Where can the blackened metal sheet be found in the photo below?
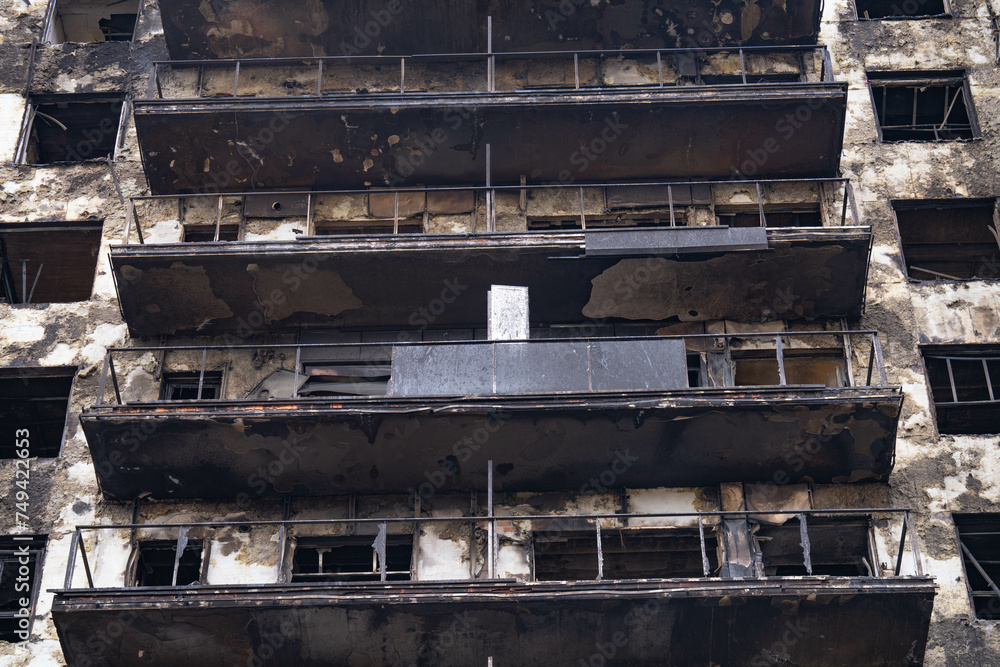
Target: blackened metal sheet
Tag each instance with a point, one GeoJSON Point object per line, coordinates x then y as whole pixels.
{"type": "Point", "coordinates": [807, 621]}
{"type": "Point", "coordinates": [269, 28]}
{"type": "Point", "coordinates": [675, 240]}
{"type": "Point", "coordinates": [358, 140]}
{"type": "Point", "coordinates": [389, 445]}
{"type": "Point", "coordinates": [209, 288]}
{"type": "Point", "coordinates": [538, 367]}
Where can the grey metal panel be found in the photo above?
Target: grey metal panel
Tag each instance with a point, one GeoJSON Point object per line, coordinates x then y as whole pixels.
{"type": "Point", "coordinates": [625, 365]}
{"type": "Point", "coordinates": [675, 240]}
{"type": "Point", "coordinates": [532, 368]}
{"type": "Point", "coordinates": [442, 370]}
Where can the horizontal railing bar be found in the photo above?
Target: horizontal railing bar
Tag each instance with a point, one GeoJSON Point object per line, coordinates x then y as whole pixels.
{"type": "Point", "coordinates": [860, 512]}
{"type": "Point", "coordinates": [476, 55]}
{"type": "Point", "coordinates": [479, 188]}
{"type": "Point", "coordinates": [771, 334]}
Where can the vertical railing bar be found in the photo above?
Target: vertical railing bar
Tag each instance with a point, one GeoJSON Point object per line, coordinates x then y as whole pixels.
{"type": "Point", "coordinates": [951, 378]}
{"type": "Point", "coordinates": [902, 544]}
{"type": "Point", "coordinates": [236, 80]}
{"type": "Point", "coordinates": [848, 354]}
{"type": "Point", "coordinates": [659, 68]}
{"type": "Point", "coordinates": [218, 220]}
{"type": "Point", "coordinates": [600, 552]}
{"type": "Point", "coordinates": [129, 217]}
{"type": "Point", "coordinates": [855, 216]}
{"type": "Point", "coordinates": [704, 552]}
{"type": "Point", "coordinates": [34, 283]}
{"type": "Point", "coordinates": [395, 215]}
{"type": "Point", "coordinates": [989, 382]}
{"type": "Point", "coordinates": [151, 85]}
{"type": "Point", "coordinates": [780, 354]}
{"type": "Point", "coordinates": [576, 69]}
{"type": "Point", "coordinates": [201, 374]}
{"type": "Point", "coordinates": [319, 77]}
{"type": "Point", "coordinates": [806, 547]}
{"type": "Point", "coordinates": [71, 565]}
{"type": "Point", "coordinates": [491, 61]}
{"type": "Point", "coordinates": [24, 279]}
{"type": "Point", "coordinates": [871, 366]}
{"type": "Point", "coordinates": [382, 566]}
{"type": "Point", "coordinates": [102, 383]}
{"type": "Point", "coordinates": [309, 214]}
{"type": "Point", "coordinates": [138, 227]}
{"type": "Point", "coordinates": [114, 380]}
{"type": "Point", "coordinates": [877, 345]}
{"type": "Point", "coordinates": [491, 525]}
{"type": "Point", "coordinates": [295, 381]}
{"type": "Point", "coordinates": [760, 205]}
{"type": "Point", "coordinates": [843, 213]}
{"type": "Point", "coordinates": [402, 75]}
{"type": "Point", "coordinates": [670, 199]}
{"type": "Point", "coordinates": [743, 67]}
{"type": "Point", "coordinates": [86, 562]}
{"type": "Point", "coordinates": [583, 215]}
{"type": "Point", "coordinates": [179, 548]}
{"type": "Point", "coordinates": [201, 76]}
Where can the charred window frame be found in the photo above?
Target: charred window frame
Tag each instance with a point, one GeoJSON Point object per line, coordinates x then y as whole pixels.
{"type": "Point", "coordinates": [48, 262]}
{"type": "Point", "coordinates": [949, 239]}
{"type": "Point", "coordinates": [179, 562]}
{"type": "Point", "coordinates": [964, 382]}
{"type": "Point", "coordinates": [12, 581]}
{"type": "Point", "coordinates": [875, 10]}
{"type": "Point", "coordinates": [923, 106]}
{"type": "Point", "coordinates": [978, 537]}
{"type": "Point", "coordinates": [72, 128]}
{"type": "Point", "coordinates": [352, 558]}
{"type": "Point", "coordinates": [35, 399]}
{"type": "Point", "coordinates": [91, 21]}
{"type": "Point", "coordinates": [192, 386]}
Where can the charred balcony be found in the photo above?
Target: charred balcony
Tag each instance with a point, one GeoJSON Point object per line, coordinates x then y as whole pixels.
{"type": "Point", "coordinates": [351, 122]}
{"type": "Point", "coordinates": [746, 251]}
{"type": "Point", "coordinates": [266, 28]}
{"type": "Point", "coordinates": [331, 419]}
{"type": "Point", "coordinates": [847, 584]}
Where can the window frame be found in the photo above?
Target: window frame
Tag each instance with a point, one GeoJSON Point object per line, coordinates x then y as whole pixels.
{"type": "Point", "coordinates": [30, 114]}
{"type": "Point", "coordinates": [922, 78]}
{"type": "Point", "coordinates": [52, 10]}
{"type": "Point", "coordinates": [41, 227]}
{"type": "Point", "coordinates": [203, 546]}
{"type": "Point", "coordinates": [329, 541]}
{"type": "Point", "coordinates": [957, 202]}
{"type": "Point", "coordinates": [44, 372]}
{"type": "Point", "coordinates": [947, 14]}
{"type": "Point", "coordinates": [36, 582]}
{"type": "Point", "coordinates": [969, 591]}
{"type": "Point", "coordinates": [944, 351]}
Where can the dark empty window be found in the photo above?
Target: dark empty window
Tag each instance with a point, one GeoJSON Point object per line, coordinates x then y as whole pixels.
{"type": "Point", "coordinates": [46, 263]}
{"type": "Point", "coordinates": [34, 400]}
{"type": "Point", "coordinates": [802, 367]}
{"type": "Point", "coordinates": [839, 547]}
{"type": "Point", "coordinates": [979, 542]}
{"type": "Point", "coordinates": [775, 217]}
{"type": "Point", "coordinates": [899, 9]}
{"type": "Point", "coordinates": [950, 240]}
{"type": "Point", "coordinates": [19, 583]}
{"type": "Point", "coordinates": [71, 128]}
{"type": "Point", "coordinates": [206, 234]}
{"type": "Point", "coordinates": [327, 559]}
{"type": "Point", "coordinates": [191, 386]}
{"type": "Point", "coordinates": [922, 106]}
{"type": "Point", "coordinates": [626, 554]}
{"type": "Point", "coordinates": [158, 563]}
{"type": "Point", "coordinates": [965, 385]}
{"type": "Point", "coordinates": [92, 21]}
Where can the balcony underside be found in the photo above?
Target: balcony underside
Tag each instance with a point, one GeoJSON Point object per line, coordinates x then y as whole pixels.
{"type": "Point", "coordinates": [362, 140]}
{"type": "Point", "coordinates": [393, 445]}
{"type": "Point", "coordinates": [282, 286]}
{"type": "Point", "coordinates": [263, 28]}
{"type": "Point", "coordinates": [807, 621]}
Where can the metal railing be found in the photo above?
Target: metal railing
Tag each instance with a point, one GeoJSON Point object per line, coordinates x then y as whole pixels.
{"type": "Point", "coordinates": [664, 205]}
{"type": "Point", "coordinates": [848, 345]}
{"type": "Point", "coordinates": [493, 524]}
{"type": "Point", "coordinates": [674, 67]}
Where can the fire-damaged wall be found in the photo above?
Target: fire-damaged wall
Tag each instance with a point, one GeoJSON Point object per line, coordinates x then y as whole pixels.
{"type": "Point", "coordinates": [935, 474]}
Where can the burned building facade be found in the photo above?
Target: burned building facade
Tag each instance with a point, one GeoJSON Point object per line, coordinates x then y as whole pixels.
{"type": "Point", "coordinates": [510, 333]}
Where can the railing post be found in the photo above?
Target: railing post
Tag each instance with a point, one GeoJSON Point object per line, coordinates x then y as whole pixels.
{"type": "Point", "coordinates": [402, 75]}
{"type": "Point", "coordinates": [102, 384]}
{"type": "Point", "coordinates": [491, 525]}
{"type": "Point", "coordinates": [877, 348]}
{"type": "Point", "coordinates": [902, 544]}
{"type": "Point", "coordinates": [319, 77]}
{"type": "Point", "coordinates": [86, 563]}
{"type": "Point", "coordinates": [114, 381]}
{"type": "Point", "coordinates": [201, 374]}
{"type": "Point", "coordinates": [129, 217]}
{"type": "Point", "coordinates": [576, 69]}
{"type": "Point", "coordinates": [918, 567]}
{"type": "Point", "coordinates": [704, 553]}
{"type": "Point", "coordinates": [295, 381]}
{"type": "Point", "coordinates": [659, 68]}
{"type": "Point", "coordinates": [743, 67]}
{"type": "Point", "coordinates": [780, 353]}
{"type": "Point", "coordinates": [806, 546]}
{"type": "Point", "coordinates": [670, 201]}
{"type": "Point", "coordinates": [218, 220]}
{"type": "Point", "coordinates": [600, 552]}
{"type": "Point", "coordinates": [74, 544]}
{"type": "Point", "coordinates": [236, 80]}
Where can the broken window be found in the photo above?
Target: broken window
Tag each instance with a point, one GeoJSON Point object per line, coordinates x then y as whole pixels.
{"type": "Point", "coordinates": [979, 542]}
{"type": "Point", "coordinates": [206, 233]}
{"type": "Point", "coordinates": [965, 386]}
{"type": "Point", "coordinates": [805, 216]}
{"type": "Point", "coordinates": [71, 128]}
{"type": "Point", "coordinates": [922, 106]}
{"type": "Point", "coordinates": [626, 554]}
{"type": "Point", "coordinates": [900, 9]}
{"type": "Point", "coordinates": [354, 558]}
{"type": "Point", "coordinates": [35, 400]}
{"type": "Point", "coordinates": [838, 547]}
{"type": "Point", "coordinates": [950, 240]}
{"type": "Point", "coordinates": [802, 367]}
{"type": "Point", "coordinates": [191, 386]}
{"type": "Point", "coordinates": [48, 263]}
{"type": "Point", "coordinates": [92, 21]}
{"type": "Point", "coordinates": [158, 563]}
{"type": "Point", "coordinates": [19, 581]}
